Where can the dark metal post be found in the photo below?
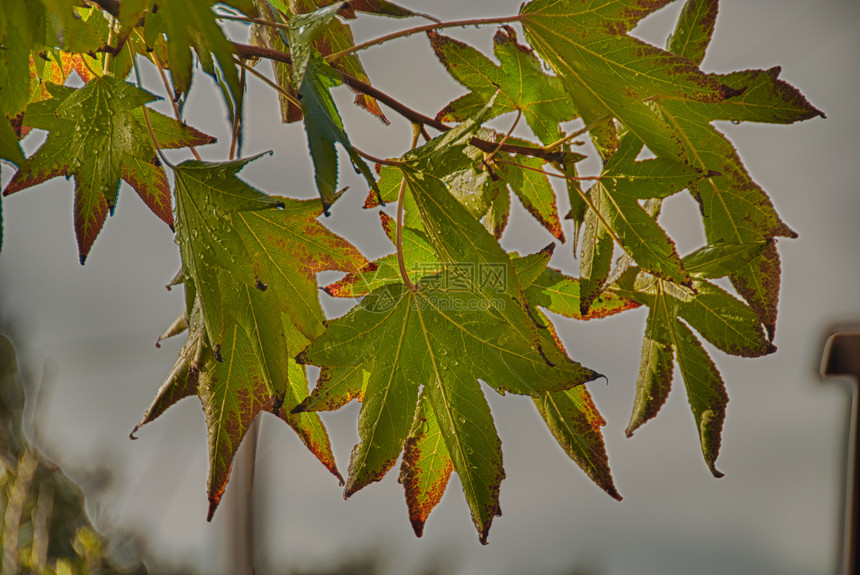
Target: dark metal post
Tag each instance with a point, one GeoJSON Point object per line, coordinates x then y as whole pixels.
{"type": "Point", "coordinates": [842, 358]}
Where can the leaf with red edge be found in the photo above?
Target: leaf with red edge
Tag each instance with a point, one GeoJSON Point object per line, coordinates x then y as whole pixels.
{"type": "Point", "coordinates": [233, 392]}
{"type": "Point", "coordinates": [522, 84]}
{"type": "Point", "coordinates": [560, 294]}
{"type": "Point", "coordinates": [96, 134]}
{"type": "Point", "coordinates": [575, 423]}
{"type": "Point", "coordinates": [610, 73]}
{"type": "Point", "coordinates": [426, 466]}
{"type": "Point", "coordinates": [251, 259]}
{"type": "Point", "coordinates": [534, 191]}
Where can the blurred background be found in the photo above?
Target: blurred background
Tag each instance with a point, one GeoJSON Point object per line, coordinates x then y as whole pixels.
{"type": "Point", "coordinates": [85, 340]}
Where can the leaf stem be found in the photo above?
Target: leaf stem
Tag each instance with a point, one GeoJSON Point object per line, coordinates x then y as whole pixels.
{"type": "Point", "coordinates": [425, 28]}
{"type": "Point", "coordinates": [145, 111]}
{"type": "Point", "coordinates": [401, 263]}
{"type": "Point", "coordinates": [234, 140]}
{"type": "Point", "coordinates": [553, 174]}
{"type": "Point", "coordinates": [170, 93]}
{"type": "Point", "coordinates": [291, 98]}
{"type": "Point", "coordinates": [576, 134]}
{"type": "Point", "coordinates": [492, 154]}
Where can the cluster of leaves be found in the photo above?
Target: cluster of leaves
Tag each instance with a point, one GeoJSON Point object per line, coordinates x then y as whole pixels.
{"type": "Point", "coordinates": [45, 528]}
{"type": "Point", "coordinates": [450, 308]}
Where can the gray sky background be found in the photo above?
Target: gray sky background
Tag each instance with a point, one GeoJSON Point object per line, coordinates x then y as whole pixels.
{"type": "Point", "coordinates": [91, 331]}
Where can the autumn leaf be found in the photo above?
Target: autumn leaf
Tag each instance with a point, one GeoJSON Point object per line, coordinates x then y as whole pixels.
{"type": "Point", "coordinates": [724, 321]}
{"type": "Point", "coordinates": [616, 214]}
{"type": "Point", "coordinates": [606, 70]}
{"type": "Point", "coordinates": [734, 208]}
{"type": "Point", "coordinates": [192, 25]}
{"type": "Point", "coordinates": [522, 84]}
{"type": "Point", "coordinates": [96, 134]}
{"type": "Point", "coordinates": [435, 338]}
{"type": "Point", "coordinates": [244, 333]}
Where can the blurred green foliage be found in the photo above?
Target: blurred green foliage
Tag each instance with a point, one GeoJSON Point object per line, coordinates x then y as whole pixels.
{"type": "Point", "coordinates": [44, 528]}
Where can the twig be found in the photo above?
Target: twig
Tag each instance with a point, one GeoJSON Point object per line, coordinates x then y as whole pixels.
{"type": "Point", "coordinates": [146, 113]}
{"type": "Point", "coordinates": [427, 27]}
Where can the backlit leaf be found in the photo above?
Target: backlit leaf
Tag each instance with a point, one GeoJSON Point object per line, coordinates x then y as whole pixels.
{"type": "Point", "coordinates": [522, 84]}
{"type": "Point", "coordinates": [587, 45]}
{"type": "Point", "coordinates": [444, 340]}
{"type": "Point", "coordinates": [96, 134]}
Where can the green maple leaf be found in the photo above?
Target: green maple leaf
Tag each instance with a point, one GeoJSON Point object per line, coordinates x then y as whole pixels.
{"type": "Point", "coordinates": [522, 84]}
{"type": "Point", "coordinates": [250, 262]}
{"type": "Point", "coordinates": [618, 215]}
{"type": "Point", "coordinates": [192, 24]}
{"type": "Point", "coordinates": [427, 456]}
{"type": "Point", "coordinates": [313, 78]}
{"type": "Point", "coordinates": [734, 207]}
{"type": "Point", "coordinates": [727, 323]}
{"type": "Point", "coordinates": [609, 73]}
{"type": "Point", "coordinates": [97, 134]}
{"type": "Point", "coordinates": [435, 338]}
{"type": "Point", "coordinates": [457, 327]}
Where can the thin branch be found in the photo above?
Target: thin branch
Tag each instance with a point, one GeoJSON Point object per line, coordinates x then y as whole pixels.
{"type": "Point", "coordinates": [249, 51]}
{"type": "Point", "coordinates": [370, 158]}
{"type": "Point", "coordinates": [426, 28]}
{"type": "Point", "coordinates": [401, 262]}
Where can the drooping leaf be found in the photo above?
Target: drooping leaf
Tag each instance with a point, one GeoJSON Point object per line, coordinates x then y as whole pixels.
{"type": "Point", "coordinates": [735, 209]}
{"type": "Point", "coordinates": [727, 323]}
{"type": "Point", "coordinates": [656, 364]}
{"type": "Point", "coordinates": [325, 128]}
{"type": "Point", "coordinates": [575, 422]}
{"type": "Point", "coordinates": [522, 84]}
{"type": "Point", "coordinates": [444, 340]}
{"type": "Point", "coordinates": [95, 134]}
{"type": "Point", "coordinates": [191, 25]}
{"type": "Point", "coordinates": [245, 333]}
{"type": "Point", "coordinates": [705, 392]}
{"type": "Point", "coordinates": [233, 393]}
